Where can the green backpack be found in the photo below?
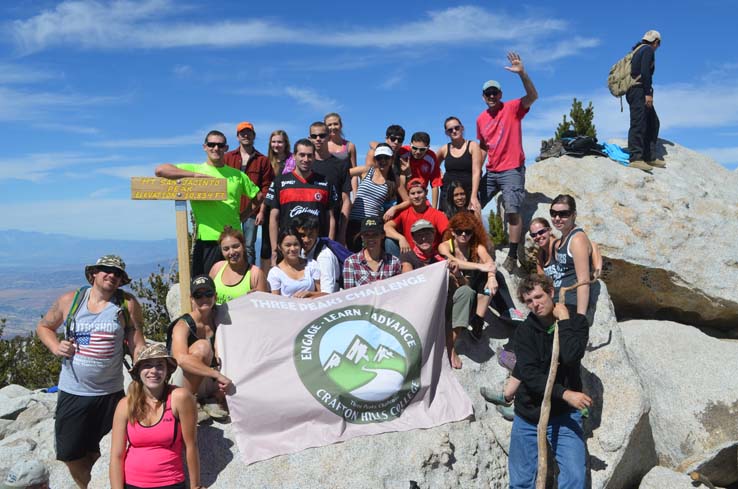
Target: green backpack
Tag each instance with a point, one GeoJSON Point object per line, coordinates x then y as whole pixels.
{"type": "Point", "coordinates": [619, 79]}
{"type": "Point", "coordinates": [119, 299]}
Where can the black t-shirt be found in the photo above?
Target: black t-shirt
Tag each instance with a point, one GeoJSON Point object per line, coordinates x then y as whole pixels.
{"type": "Point", "coordinates": [336, 172]}
{"type": "Point", "coordinates": [294, 196]}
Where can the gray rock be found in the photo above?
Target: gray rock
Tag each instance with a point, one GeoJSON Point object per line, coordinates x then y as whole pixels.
{"type": "Point", "coordinates": [11, 407]}
{"type": "Point", "coordinates": [661, 478]}
{"type": "Point", "coordinates": [648, 227]}
{"type": "Point", "coordinates": [12, 391]}
{"type": "Point", "coordinates": [173, 303]}
{"type": "Point", "coordinates": [35, 413]}
{"type": "Point", "coordinates": [691, 385]}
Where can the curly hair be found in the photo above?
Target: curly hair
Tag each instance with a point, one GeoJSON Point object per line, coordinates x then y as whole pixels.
{"type": "Point", "coordinates": [468, 220]}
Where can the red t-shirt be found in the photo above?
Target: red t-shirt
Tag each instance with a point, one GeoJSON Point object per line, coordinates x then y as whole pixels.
{"type": "Point", "coordinates": [503, 136]}
{"type": "Point", "coordinates": [405, 220]}
{"type": "Point", "coordinates": [426, 168]}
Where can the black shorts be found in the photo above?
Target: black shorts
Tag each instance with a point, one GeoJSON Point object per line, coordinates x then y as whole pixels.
{"type": "Point", "coordinates": [181, 485]}
{"type": "Point", "coordinates": [204, 255]}
{"type": "Point", "coordinates": [81, 422]}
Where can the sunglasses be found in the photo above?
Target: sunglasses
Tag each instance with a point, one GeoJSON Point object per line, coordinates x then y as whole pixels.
{"type": "Point", "coordinates": [453, 129]}
{"type": "Point", "coordinates": [491, 92]}
{"type": "Point", "coordinates": [321, 135]}
{"type": "Point", "coordinates": [563, 214]}
{"type": "Point", "coordinates": [395, 139]}
{"type": "Point", "coordinates": [215, 145]}
{"type": "Point", "coordinates": [540, 232]}
{"type": "Point", "coordinates": [382, 158]}
{"type": "Point", "coordinates": [463, 232]}
{"type": "Point", "coordinates": [422, 149]}
{"type": "Point", "coordinates": [200, 295]}
{"type": "Point", "coordinates": [115, 271]}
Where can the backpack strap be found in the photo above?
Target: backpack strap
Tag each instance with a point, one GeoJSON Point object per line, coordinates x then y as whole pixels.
{"type": "Point", "coordinates": [119, 298]}
{"type": "Point", "coordinates": [79, 296]}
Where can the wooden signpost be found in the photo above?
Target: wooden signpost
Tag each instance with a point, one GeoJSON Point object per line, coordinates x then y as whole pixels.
{"type": "Point", "coordinates": [180, 190]}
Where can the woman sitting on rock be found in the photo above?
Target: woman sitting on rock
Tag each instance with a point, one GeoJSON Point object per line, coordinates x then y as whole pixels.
{"type": "Point", "coordinates": [151, 426]}
{"type": "Point", "coordinates": [474, 277]}
{"type": "Point", "coordinates": [234, 276]}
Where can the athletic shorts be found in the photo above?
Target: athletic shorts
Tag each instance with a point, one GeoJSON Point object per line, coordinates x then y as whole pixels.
{"type": "Point", "coordinates": [180, 485]}
{"type": "Point", "coordinates": [512, 185]}
{"type": "Point", "coordinates": [204, 255]}
{"type": "Point", "coordinates": [81, 422]}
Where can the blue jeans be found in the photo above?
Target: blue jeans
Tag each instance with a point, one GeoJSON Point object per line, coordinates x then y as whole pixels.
{"type": "Point", "coordinates": [249, 235]}
{"type": "Point", "coordinates": [566, 437]}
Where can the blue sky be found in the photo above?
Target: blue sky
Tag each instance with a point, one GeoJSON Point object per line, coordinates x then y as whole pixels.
{"type": "Point", "coordinates": [94, 92]}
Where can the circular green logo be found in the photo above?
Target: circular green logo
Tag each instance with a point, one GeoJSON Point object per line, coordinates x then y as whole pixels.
{"type": "Point", "coordinates": [360, 362]}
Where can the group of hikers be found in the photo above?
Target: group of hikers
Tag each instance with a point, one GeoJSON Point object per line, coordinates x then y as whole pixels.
{"type": "Point", "coordinates": [327, 223]}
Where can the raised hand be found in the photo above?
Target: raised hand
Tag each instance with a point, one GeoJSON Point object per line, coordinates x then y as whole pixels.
{"type": "Point", "coordinates": [516, 64]}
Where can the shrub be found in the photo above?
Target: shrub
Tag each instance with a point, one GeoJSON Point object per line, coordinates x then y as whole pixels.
{"type": "Point", "coordinates": [582, 121]}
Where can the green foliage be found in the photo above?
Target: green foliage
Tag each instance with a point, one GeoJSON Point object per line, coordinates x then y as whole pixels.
{"type": "Point", "coordinates": [582, 121]}
{"type": "Point", "coordinates": [152, 294]}
{"type": "Point", "coordinates": [497, 228]}
{"type": "Point", "coordinates": [25, 361]}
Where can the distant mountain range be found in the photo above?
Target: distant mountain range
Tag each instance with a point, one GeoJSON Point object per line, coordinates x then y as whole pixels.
{"type": "Point", "coordinates": [37, 267]}
{"type": "Point", "coordinates": [356, 366]}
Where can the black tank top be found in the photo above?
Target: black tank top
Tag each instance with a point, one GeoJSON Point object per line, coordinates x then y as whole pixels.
{"type": "Point", "coordinates": [458, 168]}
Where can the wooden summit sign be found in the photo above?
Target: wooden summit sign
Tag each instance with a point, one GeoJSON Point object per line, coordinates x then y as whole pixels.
{"type": "Point", "coordinates": [180, 190]}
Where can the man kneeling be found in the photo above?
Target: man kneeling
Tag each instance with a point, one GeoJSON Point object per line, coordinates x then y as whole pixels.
{"type": "Point", "coordinates": [534, 341]}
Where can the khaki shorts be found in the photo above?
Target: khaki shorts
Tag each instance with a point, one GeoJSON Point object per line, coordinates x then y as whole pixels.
{"type": "Point", "coordinates": [207, 388]}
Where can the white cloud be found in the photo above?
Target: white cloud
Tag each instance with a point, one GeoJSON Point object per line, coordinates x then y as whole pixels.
{"type": "Point", "coordinates": [37, 167]}
{"type": "Point", "coordinates": [726, 156]}
{"type": "Point", "coordinates": [182, 71]}
{"type": "Point", "coordinates": [74, 129]}
{"type": "Point", "coordinates": [101, 218]}
{"type": "Point", "coordinates": [25, 105]}
{"type": "Point", "coordinates": [128, 171]}
{"type": "Point", "coordinates": [123, 24]}
{"type": "Point", "coordinates": [14, 73]}
{"type": "Point", "coordinates": [311, 98]}
{"type": "Point", "coordinates": [392, 81]}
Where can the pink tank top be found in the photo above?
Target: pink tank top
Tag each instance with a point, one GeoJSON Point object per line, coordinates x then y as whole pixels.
{"type": "Point", "coordinates": [154, 455]}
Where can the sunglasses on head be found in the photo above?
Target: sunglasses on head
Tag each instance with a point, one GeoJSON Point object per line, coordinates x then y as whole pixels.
{"type": "Point", "coordinates": [540, 232]}
{"type": "Point", "coordinates": [395, 139]}
{"type": "Point", "coordinates": [200, 295]}
{"type": "Point", "coordinates": [320, 135]}
{"type": "Point", "coordinates": [453, 129]}
{"type": "Point", "coordinates": [463, 232]}
{"type": "Point", "coordinates": [113, 270]}
{"type": "Point", "coordinates": [419, 148]}
{"type": "Point", "coordinates": [563, 214]}
{"type": "Point", "coordinates": [215, 145]}
{"type": "Point", "coordinates": [491, 92]}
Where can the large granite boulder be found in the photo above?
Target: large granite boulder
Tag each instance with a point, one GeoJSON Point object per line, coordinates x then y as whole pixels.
{"type": "Point", "coordinates": [692, 388]}
{"type": "Point", "coordinates": [661, 478]}
{"type": "Point", "coordinates": [668, 237]}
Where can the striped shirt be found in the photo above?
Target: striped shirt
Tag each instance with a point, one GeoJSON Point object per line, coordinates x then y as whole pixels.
{"type": "Point", "coordinates": [370, 198]}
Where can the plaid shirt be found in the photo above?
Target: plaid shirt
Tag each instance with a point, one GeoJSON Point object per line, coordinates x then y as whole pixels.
{"type": "Point", "coordinates": [357, 272]}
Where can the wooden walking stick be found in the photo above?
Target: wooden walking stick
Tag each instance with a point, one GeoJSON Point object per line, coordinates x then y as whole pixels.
{"type": "Point", "coordinates": [546, 404]}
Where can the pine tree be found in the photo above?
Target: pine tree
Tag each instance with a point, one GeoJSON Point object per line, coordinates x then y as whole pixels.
{"type": "Point", "coordinates": [582, 121]}
{"type": "Point", "coordinates": [497, 228]}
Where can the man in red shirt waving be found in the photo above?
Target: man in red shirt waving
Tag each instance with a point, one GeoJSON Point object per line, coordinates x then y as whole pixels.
{"type": "Point", "coordinates": [500, 135]}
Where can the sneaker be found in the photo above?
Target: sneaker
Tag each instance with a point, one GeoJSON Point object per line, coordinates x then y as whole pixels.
{"type": "Point", "coordinates": [507, 412]}
{"type": "Point", "coordinates": [494, 396]}
{"type": "Point", "coordinates": [510, 264]}
{"type": "Point", "coordinates": [202, 415]}
{"type": "Point", "coordinates": [641, 165]}
{"type": "Point", "coordinates": [215, 411]}
{"type": "Point", "coordinates": [516, 314]}
{"type": "Point", "coordinates": [658, 163]}
{"type": "Point", "coordinates": [506, 359]}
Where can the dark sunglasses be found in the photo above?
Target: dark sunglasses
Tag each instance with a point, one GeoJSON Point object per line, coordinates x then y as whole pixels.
{"type": "Point", "coordinates": [491, 92]}
{"type": "Point", "coordinates": [215, 145]}
{"type": "Point", "coordinates": [382, 158]}
{"type": "Point", "coordinates": [395, 139]}
{"type": "Point", "coordinates": [200, 295]}
{"type": "Point", "coordinates": [321, 135]}
{"type": "Point", "coordinates": [538, 233]}
{"type": "Point", "coordinates": [419, 148]}
{"type": "Point", "coordinates": [462, 232]}
{"type": "Point", "coordinates": [563, 214]}
{"type": "Point", "coordinates": [115, 271]}
{"type": "Point", "coordinates": [453, 129]}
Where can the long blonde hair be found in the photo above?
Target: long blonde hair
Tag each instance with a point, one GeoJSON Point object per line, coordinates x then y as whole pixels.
{"type": "Point", "coordinates": [273, 157]}
{"type": "Point", "coordinates": [137, 407]}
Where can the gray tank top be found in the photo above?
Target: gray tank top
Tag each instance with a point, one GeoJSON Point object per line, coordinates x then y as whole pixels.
{"type": "Point", "coordinates": [563, 272]}
{"type": "Point", "coordinates": [96, 367]}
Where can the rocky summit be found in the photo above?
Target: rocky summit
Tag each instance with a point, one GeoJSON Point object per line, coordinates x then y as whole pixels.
{"type": "Point", "coordinates": [659, 363]}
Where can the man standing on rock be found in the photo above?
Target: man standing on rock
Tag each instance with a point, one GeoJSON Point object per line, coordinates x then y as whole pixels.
{"type": "Point", "coordinates": [644, 123]}
{"type": "Point", "coordinates": [500, 135]}
{"type": "Point", "coordinates": [97, 321]}
{"type": "Point", "coordinates": [534, 343]}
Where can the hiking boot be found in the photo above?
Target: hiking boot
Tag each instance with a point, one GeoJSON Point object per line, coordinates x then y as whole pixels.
{"type": "Point", "coordinates": [510, 264]}
{"type": "Point", "coordinates": [215, 411]}
{"type": "Point", "coordinates": [641, 165]}
{"type": "Point", "coordinates": [506, 359]}
{"type": "Point", "coordinates": [494, 396]}
{"type": "Point", "coordinates": [507, 412]}
{"type": "Point", "coordinates": [658, 163]}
